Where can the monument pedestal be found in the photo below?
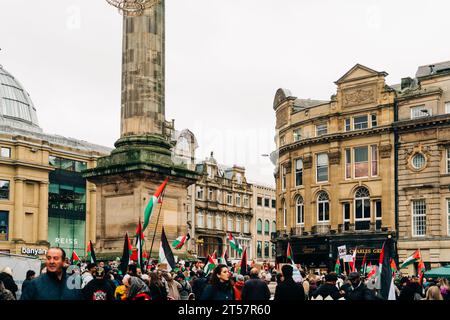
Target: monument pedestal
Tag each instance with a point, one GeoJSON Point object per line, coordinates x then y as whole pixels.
{"type": "Point", "coordinates": [125, 182]}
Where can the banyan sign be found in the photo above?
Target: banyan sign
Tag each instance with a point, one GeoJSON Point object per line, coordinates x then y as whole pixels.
{"type": "Point", "coordinates": [33, 251]}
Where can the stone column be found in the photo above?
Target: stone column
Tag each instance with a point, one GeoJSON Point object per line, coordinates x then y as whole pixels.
{"type": "Point", "coordinates": [43, 212]}
{"type": "Point", "coordinates": [92, 215]}
{"type": "Point", "coordinates": [18, 209]}
{"type": "Point", "coordinates": [143, 73]}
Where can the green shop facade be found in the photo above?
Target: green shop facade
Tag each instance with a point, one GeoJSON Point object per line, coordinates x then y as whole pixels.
{"type": "Point", "coordinates": [67, 205]}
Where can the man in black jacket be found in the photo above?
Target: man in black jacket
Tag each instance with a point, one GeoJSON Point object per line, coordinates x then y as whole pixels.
{"type": "Point", "coordinates": [55, 284]}
{"type": "Point", "coordinates": [199, 284]}
{"type": "Point", "coordinates": [99, 288]}
{"type": "Point", "coordinates": [407, 290]}
{"type": "Point", "coordinates": [255, 288]}
{"type": "Point", "coordinates": [328, 288]}
{"type": "Point", "coordinates": [358, 290]}
{"type": "Point", "coordinates": [288, 289]}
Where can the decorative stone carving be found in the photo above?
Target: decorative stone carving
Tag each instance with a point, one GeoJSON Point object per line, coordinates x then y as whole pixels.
{"type": "Point", "coordinates": [334, 157]}
{"type": "Point", "coordinates": [385, 151]}
{"type": "Point", "coordinates": [307, 162]}
{"type": "Point", "coordinates": [288, 167]}
{"type": "Point", "coordinates": [359, 96]}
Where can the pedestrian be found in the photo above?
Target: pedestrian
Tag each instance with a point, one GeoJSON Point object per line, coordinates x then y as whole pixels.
{"type": "Point", "coordinates": [288, 289]}
{"type": "Point", "coordinates": [29, 276]}
{"type": "Point", "coordinates": [358, 290]}
{"type": "Point", "coordinates": [433, 293]}
{"type": "Point", "coordinates": [138, 290]}
{"type": "Point", "coordinates": [255, 288]}
{"type": "Point", "coordinates": [122, 290]}
{"type": "Point", "coordinates": [6, 276]}
{"type": "Point", "coordinates": [220, 286]}
{"type": "Point", "coordinates": [5, 294]}
{"type": "Point", "coordinates": [444, 288]}
{"type": "Point", "coordinates": [99, 288]}
{"type": "Point", "coordinates": [174, 286]}
{"type": "Point", "coordinates": [328, 289]}
{"type": "Point", "coordinates": [158, 290]}
{"type": "Point", "coordinates": [186, 288]}
{"type": "Point", "coordinates": [54, 284]}
{"type": "Point", "coordinates": [239, 284]}
{"type": "Point", "coordinates": [88, 274]}
{"type": "Point", "coordinates": [407, 290]}
{"type": "Point", "coordinates": [199, 284]}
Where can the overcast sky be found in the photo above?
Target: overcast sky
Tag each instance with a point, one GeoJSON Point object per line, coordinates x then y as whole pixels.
{"type": "Point", "coordinates": [225, 61]}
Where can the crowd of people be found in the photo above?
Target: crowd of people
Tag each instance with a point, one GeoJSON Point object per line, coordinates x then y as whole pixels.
{"type": "Point", "coordinates": [188, 281]}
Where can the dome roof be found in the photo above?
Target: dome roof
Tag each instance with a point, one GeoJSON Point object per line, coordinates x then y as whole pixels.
{"type": "Point", "coordinates": [16, 107]}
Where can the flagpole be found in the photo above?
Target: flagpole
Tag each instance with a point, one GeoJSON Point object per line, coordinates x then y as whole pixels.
{"type": "Point", "coordinates": [157, 221]}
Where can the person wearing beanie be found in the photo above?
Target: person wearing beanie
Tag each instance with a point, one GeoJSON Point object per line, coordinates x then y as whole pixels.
{"type": "Point", "coordinates": [238, 286]}
{"type": "Point", "coordinates": [328, 289]}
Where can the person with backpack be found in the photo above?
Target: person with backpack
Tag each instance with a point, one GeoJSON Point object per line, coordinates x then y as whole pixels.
{"type": "Point", "coordinates": [185, 289]}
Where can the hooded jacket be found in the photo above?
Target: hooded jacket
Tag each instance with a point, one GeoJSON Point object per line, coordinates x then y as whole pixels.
{"type": "Point", "coordinates": [238, 289]}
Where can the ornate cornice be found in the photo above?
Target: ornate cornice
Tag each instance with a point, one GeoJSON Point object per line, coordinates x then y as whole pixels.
{"type": "Point", "coordinates": [335, 137]}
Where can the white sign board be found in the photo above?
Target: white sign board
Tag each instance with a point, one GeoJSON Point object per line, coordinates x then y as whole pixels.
{"type": "Point", "coordinates": [348, 258]}
{"type": "Point", "coordinates": [19, 266]}
{"type": "Point", "coordinates": [342, 250]}
{"type": "Point", "coordinates": [296, 275]}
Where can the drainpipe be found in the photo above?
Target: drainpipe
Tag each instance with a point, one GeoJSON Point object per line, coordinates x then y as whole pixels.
{"type": "Point", "coordinates": [396, 197]}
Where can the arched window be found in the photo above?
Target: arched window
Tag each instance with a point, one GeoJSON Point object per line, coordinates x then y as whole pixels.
{"type": "Point", "coordinates": [299, 211]}
{"type": "Point", "coordinates": [274, 226]}
{"type": "Point", "coordinates": [266, 227]}
{"type": "Point", "coordinates": [284, 214]}
{"type": "Point", "coordinates": [362, 209]}
{"type": "Point", "coordinates": [323, 207]}
{"type": "Point", "coordinates": [259, 226]}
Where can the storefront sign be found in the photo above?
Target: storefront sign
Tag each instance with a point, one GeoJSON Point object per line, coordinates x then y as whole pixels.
{"type": "Point", "coordinates": [33, 251]}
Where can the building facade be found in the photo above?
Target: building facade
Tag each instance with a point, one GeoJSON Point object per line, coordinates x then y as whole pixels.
{"type": "Point", "coordinates": [223, 205]}
{"type": "Point", "coordinates": [335, 170]}
{"type": "Point", "coordinates": [423, 130]}
{"type": "Point", "coordinates": [44, 200]}
{"type": "Point", "coordinates": [263, 223]}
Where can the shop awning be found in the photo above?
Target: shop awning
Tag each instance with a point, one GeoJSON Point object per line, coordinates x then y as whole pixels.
{"type": "Point", "coordinates": [442, 272]}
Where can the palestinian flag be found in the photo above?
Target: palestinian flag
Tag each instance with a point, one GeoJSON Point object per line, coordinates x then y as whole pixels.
{"type": "Point", "coordinates": [363, 265]}
{"type": "Point", "coordinates": [156, 198]}
{"type": "Point", "coordinates": [179, 242]}
{"type": "Point", "coordinates": [337, 266]}
{"type": "Point", "coordinates": [289, 253]}
{"type": "Point", "coordinates": [126, 255]}
{"type": "Point", "coordinates": [415, 257]}
{"type": "Point", "coordinates": [243, 270]}
{"type": "Point", "coordinates": [224, 257]}
{"type": "Point", "coordinates": [371, 270]}
{"type": "Point", "coordinates": [234, 243]}
{"type": "Point", "coordinates": [353, 262]}
{"type": "Point", "coordinates": [393, 266]}
{"type": "Point", "coordinates": [384, 273]}
{"type": "Point", "coordinates": [75, 259]}
{"type": "Point", "coordinates": [139, 243]}
{"type": "Point", "coordinates": [421, 270]}
{"type": "Point", "coordinates": [165, 253]}
{"type": "Point", "coordinates": [91, 253]}
{"type": "Point", "coordinates": [210, 264]}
